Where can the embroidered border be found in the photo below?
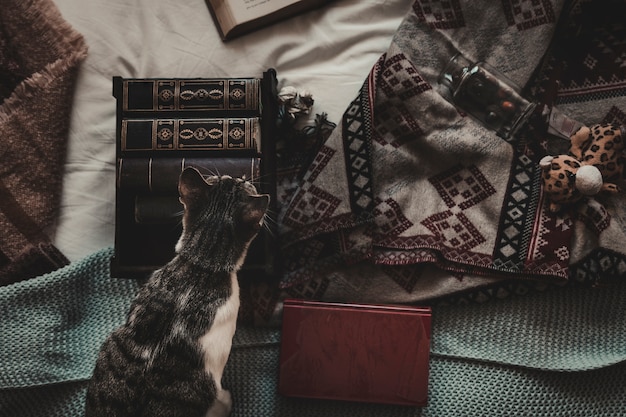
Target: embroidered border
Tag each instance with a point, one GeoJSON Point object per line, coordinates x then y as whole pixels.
{"type": "Point", "coordinates": [518, 213]}
{"type": "Point", "coordinates": [357, 131]}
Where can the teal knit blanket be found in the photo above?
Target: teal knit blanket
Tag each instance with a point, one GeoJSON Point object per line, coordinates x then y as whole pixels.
{"type": "Point", "coordinates": [557, 353]}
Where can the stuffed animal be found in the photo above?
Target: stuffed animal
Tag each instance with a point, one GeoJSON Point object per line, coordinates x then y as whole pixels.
{"type": "Point", "coordinates": [596, 157]}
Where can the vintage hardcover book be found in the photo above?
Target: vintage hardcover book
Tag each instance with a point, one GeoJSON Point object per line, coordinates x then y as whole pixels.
{"type": "Point", "coordinates": [160, 175]}
{"type": "Point", "coordinates": [355, 352]}
{"type": "Point", "coordinates": [236, 17]}
{"type": "Point", "coordinates": [148, 211]}
{"type": "Point", "coordinates": [138, 96]}
{"type": "Point", "coordinates": [218, 129]}
{"type": "Point", "coordinates": [201, 134]}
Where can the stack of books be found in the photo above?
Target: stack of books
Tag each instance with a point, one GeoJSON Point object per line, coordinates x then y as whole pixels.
{"type": "Point", "coordinates": [222, 126]}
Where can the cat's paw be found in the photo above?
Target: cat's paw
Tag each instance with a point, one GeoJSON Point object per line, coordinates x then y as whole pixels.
{"type": "Point", "coordinates": [222, 405]}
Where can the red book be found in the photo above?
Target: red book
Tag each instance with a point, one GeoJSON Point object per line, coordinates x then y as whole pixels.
{"type": "Point", "coordinates": [355, 352]}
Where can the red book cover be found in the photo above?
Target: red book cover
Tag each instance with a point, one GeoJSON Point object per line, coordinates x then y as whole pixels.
{"type": "Point", "coordinates": [355, 352]}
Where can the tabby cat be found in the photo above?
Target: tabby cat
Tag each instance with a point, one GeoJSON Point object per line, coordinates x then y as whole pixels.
{"type": "Point", "coordinates": [169, 356]}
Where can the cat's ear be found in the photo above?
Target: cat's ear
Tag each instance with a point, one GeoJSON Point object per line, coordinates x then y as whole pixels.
{"type": "Point", "coordinates": [191, 187]}
{"type": "Point", "coordinates": [254, 209]}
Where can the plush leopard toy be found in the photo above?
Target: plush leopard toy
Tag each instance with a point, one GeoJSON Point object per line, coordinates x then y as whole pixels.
{"type": "Point", "coordinates": [596, 157]}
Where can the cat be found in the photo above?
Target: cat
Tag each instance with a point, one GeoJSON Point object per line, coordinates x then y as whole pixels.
{"type": "Point", "coordinates": [169, 356]}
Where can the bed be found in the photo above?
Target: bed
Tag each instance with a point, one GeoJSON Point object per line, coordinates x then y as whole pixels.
{"type": "Point", "coordinates": [527, 314]}
{"type": "Point", "coordinates": [180, 40]}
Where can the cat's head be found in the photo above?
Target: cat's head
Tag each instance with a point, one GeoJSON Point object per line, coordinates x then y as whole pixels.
{"type": "Point", "coordinates": [221, 213]}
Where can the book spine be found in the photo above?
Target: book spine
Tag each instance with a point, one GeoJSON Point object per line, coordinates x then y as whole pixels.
{"type": "Point", "coordinates": [189, 95]}
{"type": "Point", "coordinates": [157, 209]}
{"type": "Point", "coordinates": [160, 175]}
{"type": "Point", "coordinates": [190, 134]}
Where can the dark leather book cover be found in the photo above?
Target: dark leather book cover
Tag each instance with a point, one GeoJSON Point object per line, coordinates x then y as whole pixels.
{"type": "Point", "coordinates": [137, 96]}
{"type": "Point", "coordinates": [203, 134]}
{"type": "Point", "coordinates": [148, 212]}
{"type": "Point", "coordinates": [160, 175]}
{"type": "Point", "coordinates": [355, 352]}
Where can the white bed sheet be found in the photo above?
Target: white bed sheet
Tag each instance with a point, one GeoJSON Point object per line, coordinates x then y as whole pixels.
{"type": "Point", "coordinates": [328, 51]}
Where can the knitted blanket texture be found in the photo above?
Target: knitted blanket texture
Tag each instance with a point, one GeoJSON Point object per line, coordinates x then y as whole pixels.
{"type": "Point", "coordinates": [558, 353]}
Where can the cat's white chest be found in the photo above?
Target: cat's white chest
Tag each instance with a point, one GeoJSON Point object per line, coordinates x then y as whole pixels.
{"type": "Point", "coordinates": [217, 342]}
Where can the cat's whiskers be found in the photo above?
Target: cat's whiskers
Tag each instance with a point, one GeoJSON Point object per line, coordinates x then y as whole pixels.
{"type": "Point", "coordinates": [212, 173]}
{"type": "Point", "coordinates": [179, 215]}
{"type": "Point", "coordinates": [269, 223]}
{"type": "Point", "coordinates": [178, 224]}
{"type": "Point", "coordinates": [262, 181]}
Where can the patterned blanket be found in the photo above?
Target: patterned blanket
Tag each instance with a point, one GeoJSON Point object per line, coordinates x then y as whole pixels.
{"type": "Point", "coordinates": [410, 199]}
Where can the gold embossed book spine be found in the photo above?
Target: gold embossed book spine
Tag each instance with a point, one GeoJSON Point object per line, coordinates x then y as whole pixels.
{"type": "Point", "coordinates": [208, 134]}
{"type": "Point", "coordinates": [232, 95]}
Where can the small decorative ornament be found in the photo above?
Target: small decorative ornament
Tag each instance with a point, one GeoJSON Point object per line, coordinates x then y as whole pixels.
{"type": "Point", "coordinates": [200, 133]}
{"type": "Point", "coordinates": [165, 134]}
{"type": "Point", "coordinates": [295, 102]}
{"type": "Point", "coordinates": [216, 94]}
{"type": "Point", "coordinates": [596, 157]}
{"type": "Point", "coordinates": [201, 94]}
{"type": "Point", "coordinates": [166, 95]}
{"type": "Point", "coordinates": [237, 94]}
{"type": "Point", "coordinates": [237, 133]}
